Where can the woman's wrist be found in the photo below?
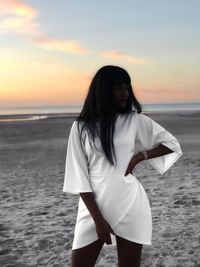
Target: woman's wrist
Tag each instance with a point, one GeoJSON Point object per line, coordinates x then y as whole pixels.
{"type": "Point", "coordinates": [144, 153]}
{"type": "Point", "coordinates": [140, 156]}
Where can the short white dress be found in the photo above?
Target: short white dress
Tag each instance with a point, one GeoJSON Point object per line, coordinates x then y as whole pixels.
{"type": "Point", "coordinates": [121, 199]}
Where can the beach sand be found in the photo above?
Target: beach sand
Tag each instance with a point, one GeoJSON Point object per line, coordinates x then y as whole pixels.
{"type": "Point", "coordinates": [37, 218]}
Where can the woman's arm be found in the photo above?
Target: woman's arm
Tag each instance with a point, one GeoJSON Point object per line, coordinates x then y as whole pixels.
{"type": "Point", "coordinates": [158, 151]}
{"type": "Point", "coordinates": [150, 134]}
{"type": "Point", "coordinates": [89, 200]}
{"type": "Point", "coordinates": [102, 226]}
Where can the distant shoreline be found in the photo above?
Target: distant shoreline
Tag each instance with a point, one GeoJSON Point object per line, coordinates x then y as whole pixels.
{"type": "Point", "coordinates": [26, 117]}
{"type": "Point", "coordinates": [42, 116]}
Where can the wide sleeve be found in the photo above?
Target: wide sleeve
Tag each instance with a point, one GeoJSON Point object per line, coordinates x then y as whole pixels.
{"type": "Point", "coordinates": [76, 178]}
{"type": "Point", "coordinates": [150, 134]}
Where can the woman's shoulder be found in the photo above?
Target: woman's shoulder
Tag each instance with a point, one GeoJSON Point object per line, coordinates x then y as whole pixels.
{"type": "Point", "coordinates": [134, 114]}
{"type": "Point", "coordinates": [126, 117]}
{"type": "Point", "coordinates": [77, 123]}
{"type": "Point", "coordinates": [76, 126]}
{"type": "Point", "coordinates": [129, 114]}
{"type": "Point", "coordinates": [141, 115]}
{"type": "Point", "coordinates": [141, 118]}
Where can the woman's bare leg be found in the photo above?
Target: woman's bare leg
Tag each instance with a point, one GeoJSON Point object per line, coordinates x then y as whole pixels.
{"type": "Point", "coordinates": [86, 256]}
{"type": "Point", "coordinates": [129, 253]}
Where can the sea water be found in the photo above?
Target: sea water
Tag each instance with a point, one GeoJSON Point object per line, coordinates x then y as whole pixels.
{"type": "Point", "coordinates": [41, 112]}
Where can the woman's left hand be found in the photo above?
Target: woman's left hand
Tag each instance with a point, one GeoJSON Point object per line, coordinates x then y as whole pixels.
{"type": "Point", "coordinates": [132, 163]}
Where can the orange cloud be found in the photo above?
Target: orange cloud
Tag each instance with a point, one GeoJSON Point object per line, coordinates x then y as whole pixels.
{"type": "Point", "coordinates": [116, 55]}
{"type": "Point", "coordinates": [60, 45]}
{"type": "Point", "coordinates": [19, 25]}
{"type": "Point", "coordinates": [19, 18]}
{"type": "Point", "coordinates": [17, 7]}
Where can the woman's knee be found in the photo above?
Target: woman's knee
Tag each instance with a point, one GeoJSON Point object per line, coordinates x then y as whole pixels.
{"type": "Point", "coordinates": [86, 256]}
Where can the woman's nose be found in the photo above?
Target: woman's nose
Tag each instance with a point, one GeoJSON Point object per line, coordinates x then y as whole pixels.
{"type": "Point", "coordinates": [124, 91]}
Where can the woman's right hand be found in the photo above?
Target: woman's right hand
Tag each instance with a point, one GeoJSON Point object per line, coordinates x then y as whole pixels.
{"type": "Point", "coordinates": [104, 230]}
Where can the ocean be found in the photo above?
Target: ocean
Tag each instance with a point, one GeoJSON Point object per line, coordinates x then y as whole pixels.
{"type": "Point", "coordinates": [42, 112]}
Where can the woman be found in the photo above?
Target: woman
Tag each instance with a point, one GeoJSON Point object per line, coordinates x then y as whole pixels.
{"type": "Point", "coordinates": [101, 156]}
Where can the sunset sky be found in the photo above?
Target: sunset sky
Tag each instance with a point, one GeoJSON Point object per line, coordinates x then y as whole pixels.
{"type": "Point", "coordinates": [50, 50]}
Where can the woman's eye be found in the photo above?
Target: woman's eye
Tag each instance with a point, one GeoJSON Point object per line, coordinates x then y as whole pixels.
{"type": "Point", "coordinates": [119, 88]}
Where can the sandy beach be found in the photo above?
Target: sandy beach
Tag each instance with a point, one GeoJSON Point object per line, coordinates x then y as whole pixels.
{"type": "Point", "coordinates": [37, 219]}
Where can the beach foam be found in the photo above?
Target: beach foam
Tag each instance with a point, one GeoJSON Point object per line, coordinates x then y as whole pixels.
{"type": "Point", "coordinates": [32, 118]}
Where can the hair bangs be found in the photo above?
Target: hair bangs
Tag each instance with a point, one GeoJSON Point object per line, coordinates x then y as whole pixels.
{"type": "Point", "coordinates": [119, 76]}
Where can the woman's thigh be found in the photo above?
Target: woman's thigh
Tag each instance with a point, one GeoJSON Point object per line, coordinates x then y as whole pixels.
{"type": "Point", "coordinates": [129, 253]}
{"type": "Point", "coordinates": [86, 256]}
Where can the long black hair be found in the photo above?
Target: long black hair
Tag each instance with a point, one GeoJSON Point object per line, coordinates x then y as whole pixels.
{"type": "Point", "coordinates": [99, 106]}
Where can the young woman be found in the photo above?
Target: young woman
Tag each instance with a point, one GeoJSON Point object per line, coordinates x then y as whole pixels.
{"type": "Point", "coordinates": [101, 156]}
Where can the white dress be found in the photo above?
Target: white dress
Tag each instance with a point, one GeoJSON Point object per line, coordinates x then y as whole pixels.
{"type": "Point", "coordinates": [121, 199]}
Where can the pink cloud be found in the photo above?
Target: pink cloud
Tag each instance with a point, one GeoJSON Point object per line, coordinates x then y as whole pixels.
{"type": "Point", "coordinates": [116, 55]}
{"type": "Point", "coordinates": [18, 25]}
{"type": "Point", "coordinates": [68, 46]}
{"type": "Point", "coordinates": [17, 7]}
{"type": "Point", "coordinates": [18, 17]}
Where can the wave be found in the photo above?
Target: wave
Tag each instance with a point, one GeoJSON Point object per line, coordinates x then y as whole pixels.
{"type": "Point", "coordinates": [24, 118]}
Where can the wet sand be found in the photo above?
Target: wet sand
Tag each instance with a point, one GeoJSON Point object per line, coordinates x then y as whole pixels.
{"type": "Point", "coordinates": [37, 218]}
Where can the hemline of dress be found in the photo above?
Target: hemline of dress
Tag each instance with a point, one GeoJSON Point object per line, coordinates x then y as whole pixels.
{"type": "Point", "coordinates": [135, 240]}
{"type": "Point", "coordinates": [114, 245]}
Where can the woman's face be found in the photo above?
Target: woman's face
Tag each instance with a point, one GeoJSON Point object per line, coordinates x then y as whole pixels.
{"type": "Point", "coordinates": [121, 94]}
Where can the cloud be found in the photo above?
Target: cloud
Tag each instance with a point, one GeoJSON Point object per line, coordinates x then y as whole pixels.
{"type": "Point", "coordinates": [116, 55]}
{"type": "Point", "coordinates": [18, 17]}
{"type": "Point", "coordinates": [18, 25]}
{"type": "Point", "coordinates": [60, 45]}
{"type": "Point", "coordinates": [17, 7]}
